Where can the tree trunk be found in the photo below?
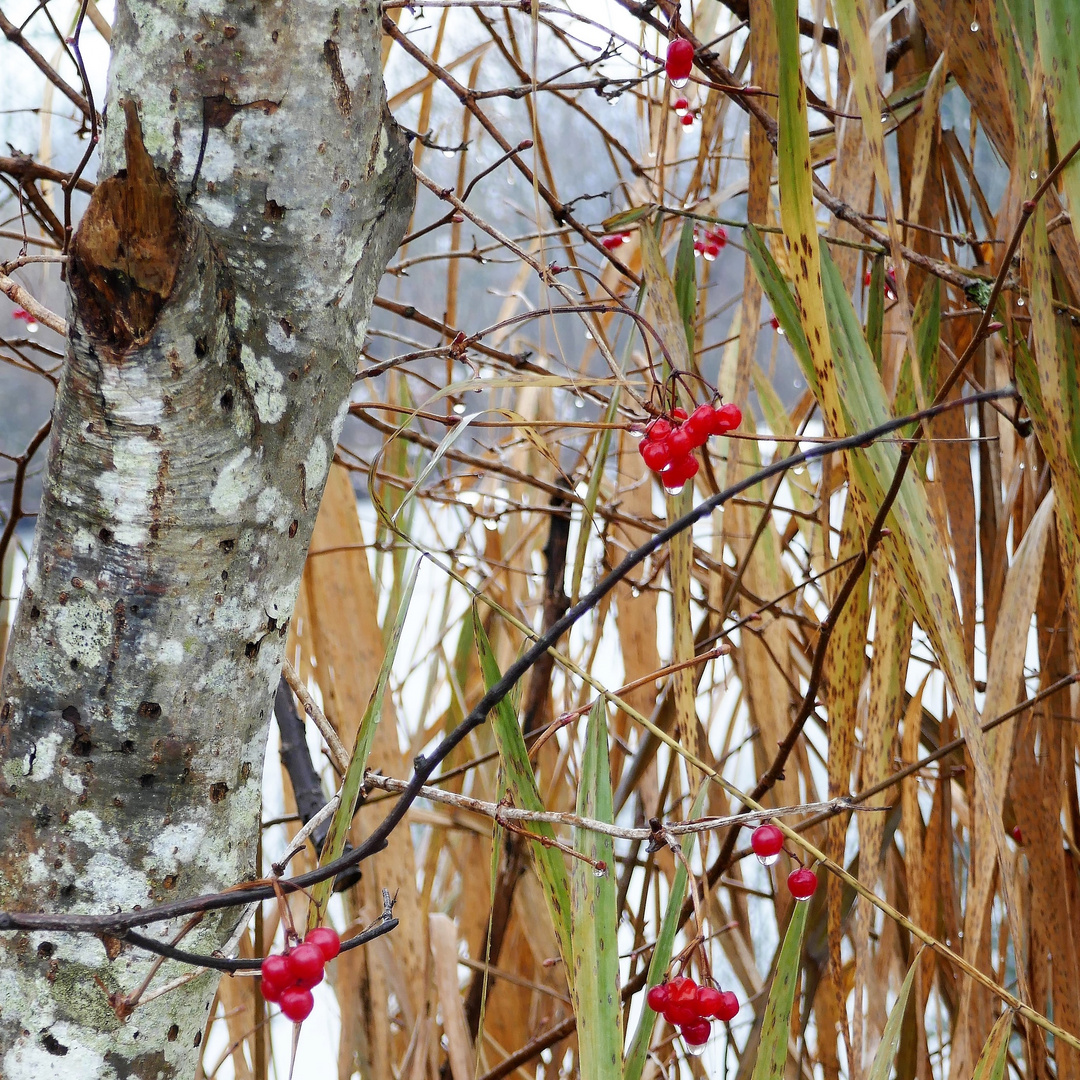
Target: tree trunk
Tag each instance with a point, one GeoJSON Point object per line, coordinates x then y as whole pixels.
{"type": "Point", "coordinates": [220, 285]}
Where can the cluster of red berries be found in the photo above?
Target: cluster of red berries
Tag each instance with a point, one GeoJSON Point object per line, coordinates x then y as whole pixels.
{"type": "Point", "coordinates": [890, 283]}
{"type": "Point", "coordinates": [287, 978]}
{"type": "Point", "coordinates": [711, 243]}
{"type": "Point", "coordinates": [692, 1008]}
{"type": "Point", "coordinates": [679, 61]}
{"type": "Point", "coordinates": [767, 842]}
{"type": "Point", "coordinates": [669, 445]}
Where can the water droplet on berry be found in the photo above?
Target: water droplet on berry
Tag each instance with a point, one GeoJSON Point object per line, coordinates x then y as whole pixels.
{"type": "Point", "coordinates": [637, 432]}
{"type": "Point", "coordinates": [697, 1049]}
{"type": "Point", "coordinates": [599, 871]}
{"type": "Point", "coordinates": [680, 83]}
{"type": "Point", "coordinates": [768, 860]}
{"type": "Point", "coordinates": [780, 331]}
{"type": "Point", "coordinates": [675, 490]}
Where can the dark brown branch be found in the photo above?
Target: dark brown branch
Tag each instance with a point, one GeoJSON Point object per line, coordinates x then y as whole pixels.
{"type": "Point", "coordinates": [16, 513]}
{"type": "Point", "coordinates": [22, 167]}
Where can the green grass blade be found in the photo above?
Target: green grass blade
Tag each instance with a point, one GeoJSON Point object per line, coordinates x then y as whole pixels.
{"type": "Point", "coordinates": [334, 844]}
{"type": "Point", "coordinates": [783, 303]}
{"type": "Point", "coordinates": [1059, 46]}
{"type": "Point", "coordinates": [593, 915]}
{"type": "Point", "coordinates": [686, 281]}
{"type": "Point", "coordinates": [875, 310]}
{"type": "Point", "coordinates": [661, 957]}
{"type": "Point", "coordinates": [890, 1037]}
{"type": "Point", "coordinates": [521, 786]}
{"type": "Point", "coordinates": [776, 1024]}
{"type": "Point", "coordinates": [797, 214]}
{"type": "Point", "coordinates": [991, 1063]}
{"type": "Point", "coordinates": [603, 445]}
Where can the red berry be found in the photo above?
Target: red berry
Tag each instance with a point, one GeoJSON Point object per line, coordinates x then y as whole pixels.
{"type": "Point", "coordinates": [687, 119]}
{"type": "Point", "coordinates": [682, 106]}
{"type": "Point", "coordinates": [680, 60]}
{"type": "Point", "coordinates": [678, 1013]}
{"type": "Point", "coordinates": [697, 1032]}
{"type": "Point", "coordinates": [802, 882]}
{"type": "Point", "coordinates": [682, 991]}
{"type": "Point", "coordinates": [728, 1008]}
{"type": "Point", "coordinates": [767, 841]}
{"type": "Point", "coordinates": [708, 1000]}
{"type": "Point", "coordinates": [680, 442]}
{"type": "Point", "coordinates": [297, 1003]}
{"type": "Point", "coordinates": [657, 455]}
{"type": "Point", "coordinates": [711, 251]}
{"type": "Point", "coordinates": [699, 247]}
{"type": "Point", "coordinates": [311, 982]}
{"type": "Point", "coordinates": [727, 418]}
{"type": "Point", "coordinates": [658, 429]}
{"type": "Point", "coordinates": [613, 241]}
{"type": "Point", "coordinates": [276, 974]}
{"type": "Point", "coordinates": [867, 276]}
{"type": "Point", "coordinates": [774, 322]}
{"type": "Point", "coordinates": [679, 413]}
{"type": "Point", "coordinates": [890, 284]}
{"type": "Point", "coordinates": [717, 236]}
{"type": "Point", "coordinates": [657, 997]}
{"type": "Point", "coordinates": [679, 471]}
{"type": "Point", "coordinates": [1017, 835]}
{"type": "Point", "coordinates": [306, 962]}
{"type": "Point", "coordinates": [699, 425]}
{"type": "Point", "coordinates": [324, 938]}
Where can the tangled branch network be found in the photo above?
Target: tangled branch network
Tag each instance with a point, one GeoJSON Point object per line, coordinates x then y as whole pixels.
{"type": "Point", "coordinates": [121, 925]}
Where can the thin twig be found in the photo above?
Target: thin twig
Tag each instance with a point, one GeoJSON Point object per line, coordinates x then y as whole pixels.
{"type": "Point", "coordinates": [338, 754]}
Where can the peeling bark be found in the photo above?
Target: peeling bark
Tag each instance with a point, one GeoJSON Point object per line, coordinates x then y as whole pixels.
{"type": "Point", "coordinates": [220, 285]}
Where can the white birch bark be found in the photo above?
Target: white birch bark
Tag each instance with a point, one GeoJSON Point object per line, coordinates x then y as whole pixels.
{"type": "Point", "coordinates": [218, 303]}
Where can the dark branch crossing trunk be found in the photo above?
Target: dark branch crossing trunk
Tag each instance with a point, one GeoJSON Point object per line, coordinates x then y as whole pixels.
{"type": "Point", "coordinates": [220, 286]}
